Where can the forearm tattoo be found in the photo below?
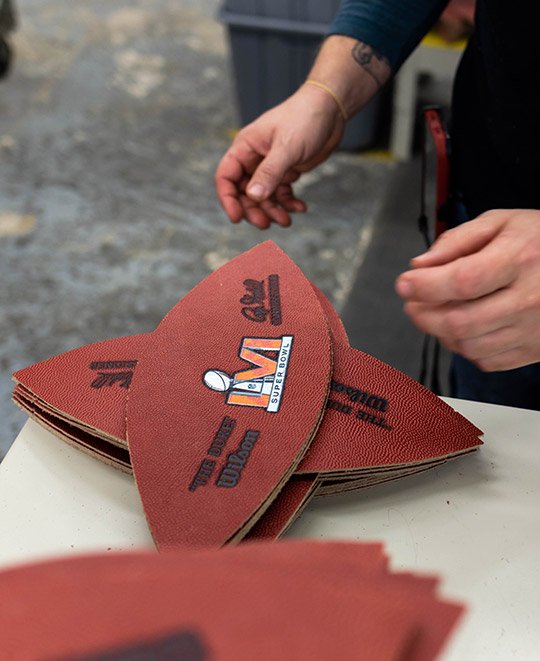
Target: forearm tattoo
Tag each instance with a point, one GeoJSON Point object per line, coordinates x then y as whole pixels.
{"type": "Point", "coordinates": [368, 58]}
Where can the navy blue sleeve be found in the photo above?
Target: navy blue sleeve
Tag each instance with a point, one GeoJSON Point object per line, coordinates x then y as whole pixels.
{"type": "Point", "coordinates": [391, 27]}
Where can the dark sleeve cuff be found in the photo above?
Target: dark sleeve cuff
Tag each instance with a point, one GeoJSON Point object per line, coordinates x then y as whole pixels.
{"type": "Point", "coordinates": [391, 27]}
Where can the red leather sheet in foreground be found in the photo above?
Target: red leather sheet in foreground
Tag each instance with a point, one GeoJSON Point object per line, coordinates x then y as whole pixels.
{"type": "Point", "coordinates": [294, 600]}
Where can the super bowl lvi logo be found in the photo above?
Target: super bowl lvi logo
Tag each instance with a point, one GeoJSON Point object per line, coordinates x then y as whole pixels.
{"type": "Point", "coordinates": [262, 384]}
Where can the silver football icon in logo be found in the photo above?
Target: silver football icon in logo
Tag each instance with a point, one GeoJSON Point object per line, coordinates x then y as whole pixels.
{"type": "Point", "coordinates": [217, 380]}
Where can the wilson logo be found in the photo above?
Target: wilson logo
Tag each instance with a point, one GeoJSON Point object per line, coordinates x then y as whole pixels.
{"type": "Point", "coordinates": [262, 384]}
{"type": "Point", "coordinates": [236, 461]}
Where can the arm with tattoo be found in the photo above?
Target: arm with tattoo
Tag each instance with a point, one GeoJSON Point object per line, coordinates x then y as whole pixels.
{"type": "Point", "coordinates": [369, 59]}
{"type": "Point", "coordinates": [352, 69]}
{"type": "Point", "coordinates": [255, 176]}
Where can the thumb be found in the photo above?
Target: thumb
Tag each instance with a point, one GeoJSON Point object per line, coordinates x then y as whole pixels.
{"type": "Point", "coordinates": [269, 174]}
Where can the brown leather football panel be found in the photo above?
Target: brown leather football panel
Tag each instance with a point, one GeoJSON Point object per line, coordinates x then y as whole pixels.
{"type": "Point", "coordinates": [294, 496]}
{"type": "Point", "coordinates": [377, 416]}
{"type": "Point", "coordinates": [21, 394]}
{"type": "Point", "coordinates": [88, 383]}
{"type": "Point", "coordinates": [96, 447]}
{"type": "Point", "coordinates": [205, 460]}
{"type": "Point", "coordinates": [377, 420]}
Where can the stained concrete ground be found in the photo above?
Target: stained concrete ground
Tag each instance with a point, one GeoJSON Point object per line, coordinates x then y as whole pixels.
{"type": "Point", "coordinates": [112, 122]}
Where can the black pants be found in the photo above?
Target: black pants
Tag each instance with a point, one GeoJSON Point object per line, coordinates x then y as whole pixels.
{"type": "Point", "coordinates": [519, 387]}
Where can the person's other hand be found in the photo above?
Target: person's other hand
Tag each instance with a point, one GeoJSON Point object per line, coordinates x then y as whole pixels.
{"type": "Point", "coordinates": [478, 289]}
{"type": "Point", "coordinates": [253, 180]}
{"type": "Point", "coordinates": [456, 21]}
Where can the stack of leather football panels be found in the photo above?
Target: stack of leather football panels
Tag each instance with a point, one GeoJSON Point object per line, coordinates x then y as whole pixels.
{"type": "Point", "coordinates": [246, 401]}
{"type": "Point", "coordinates": [301, 601]}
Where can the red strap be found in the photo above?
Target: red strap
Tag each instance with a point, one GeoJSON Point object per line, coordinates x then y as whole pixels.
{"type": "Point", "coordinates": [440, 140]}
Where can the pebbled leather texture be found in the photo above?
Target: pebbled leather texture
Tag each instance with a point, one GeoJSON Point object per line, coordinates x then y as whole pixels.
{"type": "Point", "coordinates": [88, 384]}
{"type": "Point", "coordinates": [378, 424]}
{"type": "Point", "coordinates": [287, 505]}
{"type": "Point", "coordinates": [377, 416]}
{"type": "Point", "coordinates": [300, 600]}
{"type": "Point", "coordinates": [208, 462]}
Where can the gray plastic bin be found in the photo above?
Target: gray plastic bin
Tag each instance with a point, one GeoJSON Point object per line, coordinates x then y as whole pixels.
{"type": "Point", "coordinates": [7, 24]}
{"type": "Point", "coordinates": [273, 44]}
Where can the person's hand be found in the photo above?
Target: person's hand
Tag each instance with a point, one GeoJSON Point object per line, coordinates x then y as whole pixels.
{"type": "Point", "coordinates": [478, 289]}
{"type": "Point", "coordinates": [253, 180]}
{"type": "Point", "coordinates": [456, 21]}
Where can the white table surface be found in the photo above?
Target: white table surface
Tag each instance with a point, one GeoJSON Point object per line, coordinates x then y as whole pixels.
{"type": "Point", "coordinates": [475, 522]}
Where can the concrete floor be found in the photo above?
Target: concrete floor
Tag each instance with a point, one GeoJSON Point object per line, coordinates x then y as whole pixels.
{"type": "Point", "coordinates": [112, 122]}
